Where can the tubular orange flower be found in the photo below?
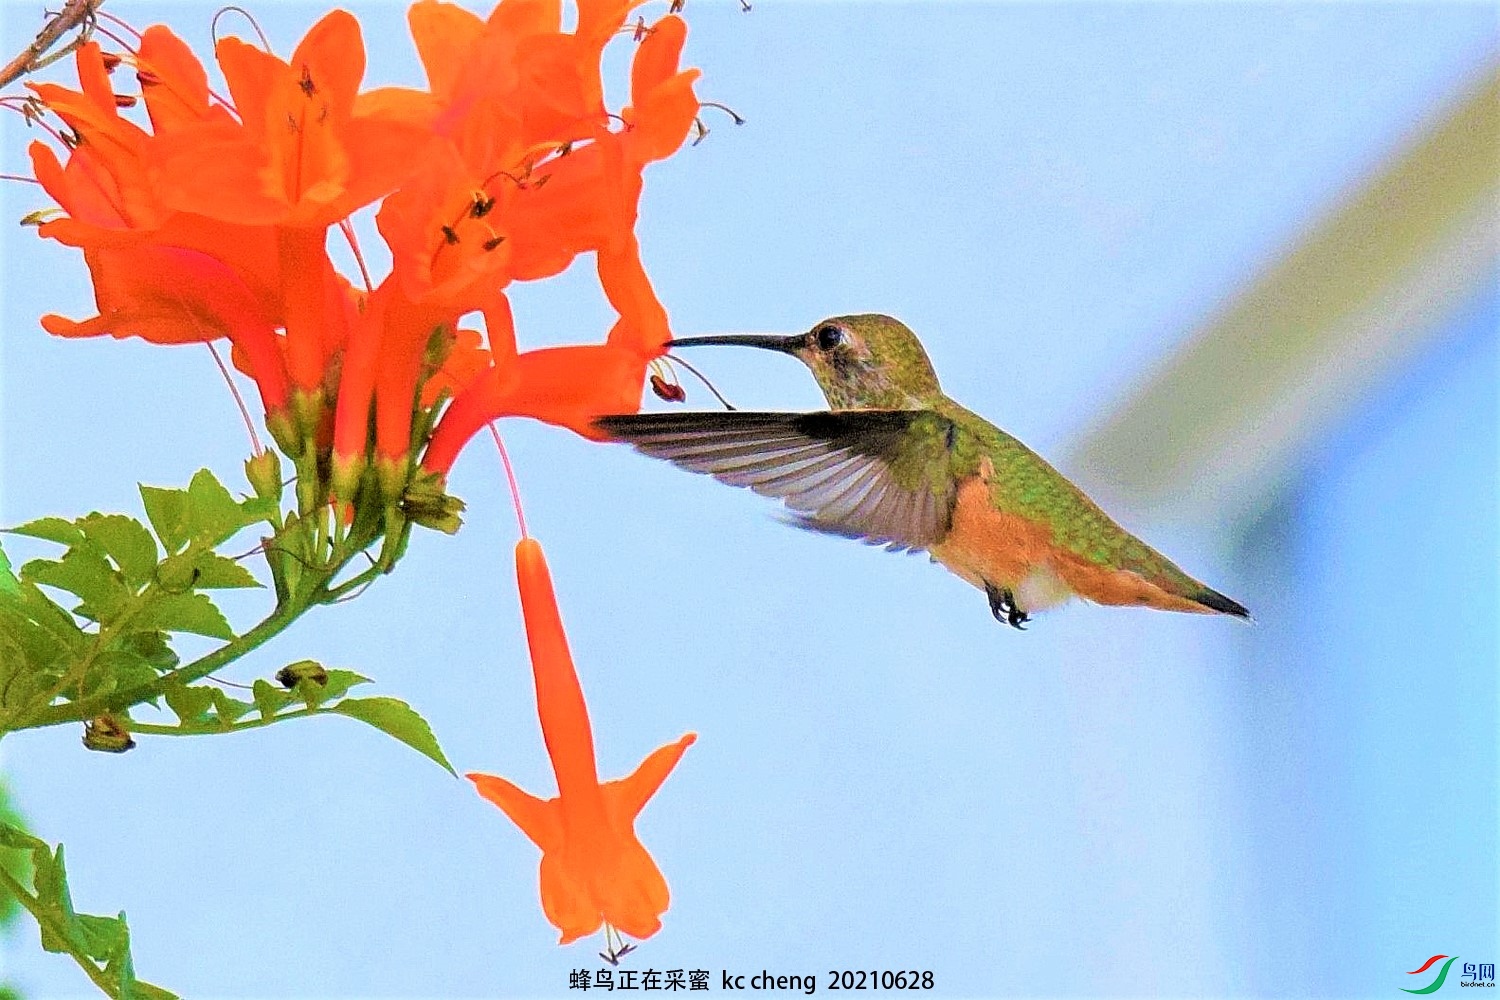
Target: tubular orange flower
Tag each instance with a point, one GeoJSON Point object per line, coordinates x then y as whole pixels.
{"type": "Point", "coordinates": [504, 169]}
{"type": "Point", "coordinates": [171, 295]}
{"type": "Point", "coordinates": [300, 159]}
{"type": "Point", "coordinates": [301, 155]}
{"type": "Point", "coordinates": [164, 276]}
{"type": "Point", "coordinates": [588, 202]}
{"type": "Point", "coordinates": [568, 386]}
{"type": "Point", "coordinates": [594, 869]}
{"type": "Point", "coordinates": [105, 181]}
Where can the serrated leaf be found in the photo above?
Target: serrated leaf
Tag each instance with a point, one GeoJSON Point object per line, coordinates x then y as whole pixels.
{"type": "Point", "coordinates": [165, 509]}
{"type": "Point", "coordinates": [339, 683]}
{"type": "Point", "coordinates": [126, 541]}
{"type": "Point", "coordinates": [28, 688]}
{"type": "Point", "coordinates": [102, 938]}
{"type": "Point", "coordinates": [52, 529]}
{"type": "Point", "coordinates": [229, 709]}
{"type": "Point", "coordinates": [83, 571]}
{"type": "Point", "coordinates": [189, 704]}
{"type": "Point", "coordinates": [16, 848]}
{"type": "Point", "coordinates": [49, 619]}
{"type": "Point", "coordinates": [115, 669]}
{"type": "Point", "coordinates": [398, 719]}
{"type": "Point", "coordinates": [335, 686]}
{"type": "Point", "coordinates": [215, 572]}
{"type": "Point", "coordinates": [121, 968]}
{"type": "Point", "coordinates": [152, 648]}
{"type": "Point", "coordinates": [185, 613]}
{"type": "Point", "coordinates": [9, 585]}
{"type": "Point", "coordinates": [269, 698]}
{"type": "Point", "coordinates": [141, 990]}
{"type": "Point", "coordinates": [13, 836]}
{"type": "Point", "coordinates": [37, 636]}
{"type": "Point", "coordinates": [51, 882]}
{"type": "Point", "coordinates": [259, 509]}
{"type": "Point", "coordinates": [212, 514]}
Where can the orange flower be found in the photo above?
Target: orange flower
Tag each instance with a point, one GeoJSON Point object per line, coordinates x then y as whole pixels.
{"type": "Point", "coordinates": [105, 182]}
{"type": "Point", "coordinates": [594, 869]}
{"type": "Point", "coordinates": [301, 155]}
{"type": "Point", "coordinates": [300, 159]}
{"type": "Point", "coordinates": [172, 295]}
{"type": "Point", "coordinates": [567, 386]}
{"type": "Point", "coordinates": [588, 203]}
{"type": "Point", "coordinates": [167, 277]}
{"type": "Point", "coordinates": [505, 169]}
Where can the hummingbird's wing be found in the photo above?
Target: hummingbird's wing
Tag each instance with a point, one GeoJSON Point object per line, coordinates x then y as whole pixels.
{"type": "Point", "coordinates": [877, 475]}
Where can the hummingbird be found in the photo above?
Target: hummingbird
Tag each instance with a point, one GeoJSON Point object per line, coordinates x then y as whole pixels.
{"type": "Point", "coordinates": [895, 462]}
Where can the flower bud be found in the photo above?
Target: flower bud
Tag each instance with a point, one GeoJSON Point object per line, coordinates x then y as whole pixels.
{"type": "Point", "coordinates": [264, 473]}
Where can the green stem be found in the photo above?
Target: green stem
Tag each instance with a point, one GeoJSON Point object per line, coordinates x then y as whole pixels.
{"type": "Point", "coordinates": [309, 593]}
{"type": "Point", "coordinates": [78, 711]}
{"type": "Point", "coordinates": [151, 729]}
{"type": "Point", "coordinates": [358, 580]}
{"type": "Point", "coordinates": [48, 920]}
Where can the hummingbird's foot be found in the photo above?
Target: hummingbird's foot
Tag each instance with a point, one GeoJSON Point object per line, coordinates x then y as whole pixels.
{"type": "Point", "coordinates": [1003, 606]}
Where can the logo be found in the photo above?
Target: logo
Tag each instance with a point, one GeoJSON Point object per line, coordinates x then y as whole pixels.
{"type": "Point", "coordinates": [1473, 975]}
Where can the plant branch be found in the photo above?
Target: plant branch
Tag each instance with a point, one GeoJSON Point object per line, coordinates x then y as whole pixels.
{"type": "Point", "coordinates": [150, 729]}
{"type": "Point", "coordinates": [75, 13]}
{"type": "Point", "coordinates": [88, 708]}
{"type": "Point", "coordinates": [46, 919]}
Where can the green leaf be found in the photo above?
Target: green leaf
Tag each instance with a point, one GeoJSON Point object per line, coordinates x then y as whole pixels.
{"type": "Point", "coordinates": [83, 571]}
{"type": "Point", "coordinates": [227, 709]}
{"type": "Point", "coordinates": [329, 685]}
{"type": "Point", "coordinates": [116, 668]}
{"type": "Point", "coordinates": [87, 938]}
{"type": "Point", "coordinates": [185, 613]}
{"type": "Point", "coordinates": [259, 509]}
{"type": "Point", "coordinates": [212, 514]}
{"type": "Point", "coordinates": [165, 509]}
{"type": "Point", "coordinates": [127, 542]}
{"type": "Point", "coordinates": [51, 881]}
{"type": "Point", "coordinates": [269, 698]}
{"type": "Point", "coordinates": [398, 719]}
{"type": "Point", "coordinates": [26, 688]}
{"type": "Point", "coordinates": [101, 937]}
{"type": "Point", "coordinates": [339, 682]}
{"type": "Point", "coordinates": [217, 572]}
{"type": "Point", "coordinates": [38, 640]}
{"type": "Point", "coordinates": [152, 648]}
{"type": "Point", "coordinates": [9, 585]}
{"type": "Point", "coordinates": [52, 529]}
{"type": "Point", "coordinates": [16, 846]}
{"type": "Point", "coordinates": [190, 704]}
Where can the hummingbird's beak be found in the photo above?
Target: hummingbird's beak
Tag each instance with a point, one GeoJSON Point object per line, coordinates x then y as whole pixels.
{"type": "Point", "coordinates": [771, 342]}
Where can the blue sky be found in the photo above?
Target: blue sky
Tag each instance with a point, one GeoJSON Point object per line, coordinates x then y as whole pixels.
{"type": "Point", "coordinates": [885, 778]}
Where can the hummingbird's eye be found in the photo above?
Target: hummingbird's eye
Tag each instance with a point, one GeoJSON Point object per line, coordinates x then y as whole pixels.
{"type": "Point", "coordinates": [829, 337]}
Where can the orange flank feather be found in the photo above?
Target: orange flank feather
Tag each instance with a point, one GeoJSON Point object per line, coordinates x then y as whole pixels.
{"type": "Point", "coordinates": [989, 544]}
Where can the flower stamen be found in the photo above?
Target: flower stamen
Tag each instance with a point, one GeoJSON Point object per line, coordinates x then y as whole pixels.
{"type": "Point", "coordinates": [701, 378]}
{"type": "Point", "coordinates": [213, 26]}
{"type": "Point", "coordinates": [255, 446]}
{"type": "Point", "coordinates": [738, 120]}
{"type": "Point", "coordinates": [119, 22]}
